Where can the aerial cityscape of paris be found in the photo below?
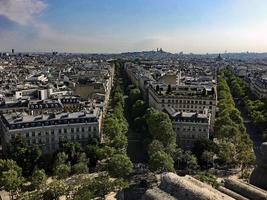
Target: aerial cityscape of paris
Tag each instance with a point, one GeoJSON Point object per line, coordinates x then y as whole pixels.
{"type": "Point", "coordinates": [133, 100]}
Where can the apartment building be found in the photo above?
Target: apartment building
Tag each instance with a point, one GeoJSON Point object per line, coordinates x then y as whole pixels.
{"type": "Point", "coordinates": [189, 127]}
{"type": "Point", "coordinates": [47, 131]}
{"type": "Point", "coordinates": [258, 86]}
{"type": "Point", "coordinates": [187, 98]}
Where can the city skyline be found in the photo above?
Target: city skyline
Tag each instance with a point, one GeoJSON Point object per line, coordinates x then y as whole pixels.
{"type": "Point", "coordinates": [107, 26]}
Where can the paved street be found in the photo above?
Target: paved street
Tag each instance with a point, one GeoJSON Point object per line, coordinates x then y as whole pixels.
{"type": "Point", "coordinates": [136, 149]}
{"type": "Point", "coordinates": [252, 130]}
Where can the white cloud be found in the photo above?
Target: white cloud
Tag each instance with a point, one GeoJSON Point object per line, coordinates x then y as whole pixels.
{"type": "Point", "coordinates": [21, 11]}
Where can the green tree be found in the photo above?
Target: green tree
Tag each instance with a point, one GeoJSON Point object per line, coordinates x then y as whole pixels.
{"type": "Point", "coordinates": [160, 128]}
{"type": "Point", "coordinates": [161, 161]}
{"type": "Point", "coordinates": [119, 165]}
{"type": "Point", "coordinates": [134, 95]}
{"type": "Point", "coordinates": [79, 168]}
{"type": "Point", "coordinates": [120, 142]}
{"type": "Point", "coordinates": [257, 117]}
{"type": "Point", "coordinates": [91, 152]}
{"type": "Point", "coordinates": [62, 170]}
{"type": "Point", "coordinates": [112, 126]}
{"type": "Point", "coordinates": [190, 161]}
{"type": "Point", "coordinates": [6, 165]}
{"type": "Point", "coordinates": [61, 158]}
{"type": "Point", "coordinates": [207, 157]}
{"type": "Point", "coordinates": [72, 149]}
{"type": "Point", "coordinates": [11, 181]}
{"type": "Point", "coordinates": [138, 109]}
{"type": "Point", "coordinates": [154, 146]}
{"type": "Point", "coordinates": [227, 152]}
{"type": "Point", "coordinates": [55, 190]}
{"type": "Point", "coordinates": [38, 179]}
{"type": "Point", "coordinates": [204, 145]}
{"type": "Point", "coordinates": [98, 187]}
{"type": "Point", "coordinates": [105, 152]}
{"type": "Point", "coordinates": [25, 155]}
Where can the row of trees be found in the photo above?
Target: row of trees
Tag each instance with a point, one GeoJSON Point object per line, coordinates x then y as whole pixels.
{"type": "Point", "coordinates": [239, 87]}
{"type": "Point", "coordinates": [257, 112]}
{"type": "Point", "coordinates": [115, 128]}
{"type": "Point", "coordinates": [235, 146]}
{"type": "Point", "coordinates": [256, 109]}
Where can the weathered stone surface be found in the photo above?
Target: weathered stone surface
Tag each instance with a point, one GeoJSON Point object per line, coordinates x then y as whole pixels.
{"type": "Point", "coordinates": [157, 194]}
{"type": "Point", "coordinates": [189, 188]}
{"type": "Point", "coordinates": [231, 193]}
{"type": "Point", "coordinates": [245, 189]}
{"type": "Point", "coordinates": [259, 175]}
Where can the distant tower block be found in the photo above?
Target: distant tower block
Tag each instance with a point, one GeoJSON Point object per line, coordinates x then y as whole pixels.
{"type": "Point", "coordinates": [13, 51]}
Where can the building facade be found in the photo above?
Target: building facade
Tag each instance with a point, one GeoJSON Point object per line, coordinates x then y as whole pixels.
{"type": "Point", "coordinates": [47, 131]}
{"type": "Point", "coordinates": [194, 99]}
{"type": "Point", "coordinates": [258, 86]}
{"type": "Point", "coordinates": [189, 127]}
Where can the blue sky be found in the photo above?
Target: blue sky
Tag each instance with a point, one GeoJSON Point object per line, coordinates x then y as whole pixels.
{"type": "Point", "coordinates": [197, 26]}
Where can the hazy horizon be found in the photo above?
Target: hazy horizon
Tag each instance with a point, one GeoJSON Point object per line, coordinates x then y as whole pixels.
{"type": "Point", "coordinates": [106, 26]}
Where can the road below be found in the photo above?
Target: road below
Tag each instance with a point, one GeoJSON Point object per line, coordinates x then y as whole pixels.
{"type": "Point", "coordinates": [252, 130]}
{"type": "Point", "coordinates": [136, 150]}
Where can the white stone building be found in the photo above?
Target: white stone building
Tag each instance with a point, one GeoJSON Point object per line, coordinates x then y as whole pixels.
{"type": "Point", "coordinates": [48, 130]}
{"type": "Point", "coordinates": [189, 127]}
{"type": "Point", "coordinates": [194, 99]}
